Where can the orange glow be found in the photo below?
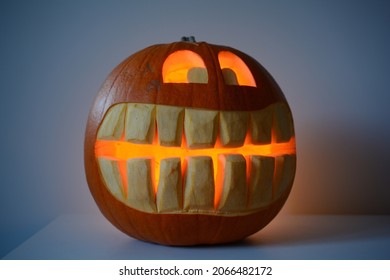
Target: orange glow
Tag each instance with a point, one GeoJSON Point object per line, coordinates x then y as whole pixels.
{"type": "Point", "coordinates": [177, 64]}
{"type": "Point", "coordinates": [122, 165]}
{"type": "Point", "coordinates": [233, 62]}
{"type": "Point", "coordinates": [122, 150]}
{"type": "Point", "coordinates": [219, 166]}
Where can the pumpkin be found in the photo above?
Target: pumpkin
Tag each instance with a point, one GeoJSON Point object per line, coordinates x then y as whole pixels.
{"type": "Point", "coordinates": [190, 143]}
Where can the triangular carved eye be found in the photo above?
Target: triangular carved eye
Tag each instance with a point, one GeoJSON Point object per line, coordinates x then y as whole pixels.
{"type": "Point", "coordinates": [234, 70]}
{"type": "Point", "coordinates": [184, 67]}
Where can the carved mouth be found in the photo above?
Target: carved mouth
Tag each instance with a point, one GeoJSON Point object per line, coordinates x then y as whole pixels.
{"type": "Point", "coordinates": [167, 159]}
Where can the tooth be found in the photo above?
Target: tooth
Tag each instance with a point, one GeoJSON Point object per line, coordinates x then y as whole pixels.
{"type": "Point", "coordinates": [140, 194]}
{"type": "Point", "coordinates": [140, 125]}
{"type": "Point", "coordinates": [199, 184]}
{"type": "Point", "coordinates": [169, 192]}
{"type": "Point", "coordinates": [112, 177]}
{"type": "Point", "coordinates": [261, 126]}
{"type": "Point", "coordinates": [169, 125]}
{"type": "Point", "coordinates": [260, 181]}
{"type": "Point", "coordinates": [284, 174]}
{"type": "Point", "coordinates": [113, 123]}
{"type": "Point", "coordinates": [197, 75]}
{"type": "Point", "coordinates": [233, 128]}
{"type": "Point", "coordinates": [234, 190]}
{"type": "Point", "coordinates": [200, 128]}
{"type": "Point", "coordinates": [283, 124]}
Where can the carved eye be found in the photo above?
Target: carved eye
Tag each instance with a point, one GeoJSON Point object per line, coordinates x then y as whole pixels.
{"type": "Point", "coordinates": [184, 67]}
{"type": "Point", "coordinates": [234, 70]}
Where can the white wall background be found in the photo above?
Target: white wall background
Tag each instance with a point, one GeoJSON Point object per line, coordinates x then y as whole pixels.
{"type": "Point", "coordinates": [331, 59]}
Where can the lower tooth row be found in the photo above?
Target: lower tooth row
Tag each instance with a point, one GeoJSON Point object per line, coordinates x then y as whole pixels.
{"type": "Point", "coordinates": [197, 189]}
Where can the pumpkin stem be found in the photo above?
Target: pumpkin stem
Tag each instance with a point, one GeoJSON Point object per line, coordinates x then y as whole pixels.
{"type": "Point", "coordinates": [190, 39]}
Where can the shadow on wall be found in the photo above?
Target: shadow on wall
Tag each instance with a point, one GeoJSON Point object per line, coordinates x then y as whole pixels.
{"type": "Point", "coordinates": [342, 169]}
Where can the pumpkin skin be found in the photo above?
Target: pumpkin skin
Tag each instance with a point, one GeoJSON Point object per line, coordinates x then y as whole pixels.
{"type": "Point", "coordinates": [139, 80]}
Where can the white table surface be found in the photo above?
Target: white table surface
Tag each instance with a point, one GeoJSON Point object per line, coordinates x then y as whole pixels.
{"type": "Point", "coordinates": [287, 237]}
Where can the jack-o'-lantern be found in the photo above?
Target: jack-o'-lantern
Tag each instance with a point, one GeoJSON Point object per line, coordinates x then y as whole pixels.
{"type": "Point", "coordinates": [190, 143]}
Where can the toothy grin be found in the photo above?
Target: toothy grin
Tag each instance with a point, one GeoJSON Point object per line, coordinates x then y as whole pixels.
{"type": "Point", "coordinates": [167, 159]}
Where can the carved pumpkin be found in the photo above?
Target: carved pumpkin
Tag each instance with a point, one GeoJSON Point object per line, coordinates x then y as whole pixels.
{"type": "Point", "coordinates": [190, 143]}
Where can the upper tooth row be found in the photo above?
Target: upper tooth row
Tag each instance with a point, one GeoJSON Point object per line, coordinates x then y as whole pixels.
{"type": "Point", "coordinates": [138, 122]}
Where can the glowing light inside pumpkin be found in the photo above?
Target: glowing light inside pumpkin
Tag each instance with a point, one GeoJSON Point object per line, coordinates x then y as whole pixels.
{"type": "Point", "coordinates": [188, 67]}
{"type": "Point", "coordinates": [123, 150]}
{"type": "Point", "coordinates": [178, 64]}
{"type": "Point", "coordinates": [232, 62]}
